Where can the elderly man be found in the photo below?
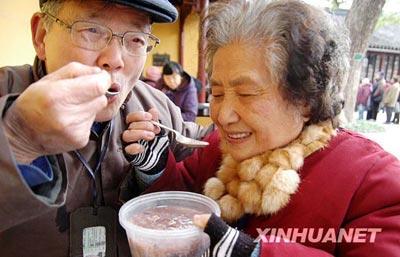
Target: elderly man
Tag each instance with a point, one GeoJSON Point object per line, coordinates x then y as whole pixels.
{"type": "Point", "coordinates": [61, 159]}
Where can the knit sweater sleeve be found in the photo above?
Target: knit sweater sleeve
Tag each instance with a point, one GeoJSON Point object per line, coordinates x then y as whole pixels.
{"type": "Point", "coordinates": [193, 172]}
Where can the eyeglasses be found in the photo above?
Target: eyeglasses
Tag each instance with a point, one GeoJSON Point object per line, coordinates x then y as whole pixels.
{"type": "Point", "coordinates": [92, 36]}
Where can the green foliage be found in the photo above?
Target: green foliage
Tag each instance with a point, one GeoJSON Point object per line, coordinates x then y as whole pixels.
{"type": "Point", "coordinates": [336, 3]}
{"type": "Point", "coordinates": [365, 126]}
{"type": "Point", "coordinates": [388, 19]}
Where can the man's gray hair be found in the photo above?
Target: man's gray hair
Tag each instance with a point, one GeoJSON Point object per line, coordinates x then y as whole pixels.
{"type": "Point", "coordinates": [304, 51]}
{"type": "Point", "coordinates": [53, 7]}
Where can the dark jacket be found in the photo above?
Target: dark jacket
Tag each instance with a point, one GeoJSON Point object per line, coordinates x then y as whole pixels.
{"type": "Point", "coordinates": [185, 97]}
{"type": "Point", "coordinates": [378, 91]}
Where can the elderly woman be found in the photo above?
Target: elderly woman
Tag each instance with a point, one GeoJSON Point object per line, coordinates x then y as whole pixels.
{"type": "Point", "coordinates": [278, 165]}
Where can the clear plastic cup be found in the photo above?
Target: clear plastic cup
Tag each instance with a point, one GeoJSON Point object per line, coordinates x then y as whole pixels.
{"type": "Point", "coordinates": [157, 224]}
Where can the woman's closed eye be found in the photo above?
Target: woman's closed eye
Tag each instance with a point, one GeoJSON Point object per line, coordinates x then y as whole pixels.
{"type": "Point", "coordinates": [217, 97]}
{"type": "Point", "coordinates": [217, 93]}
{"type": "Point", "coordinates": [247, 94]}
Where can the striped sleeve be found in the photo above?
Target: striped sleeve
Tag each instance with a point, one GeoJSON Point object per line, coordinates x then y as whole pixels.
{"type": "Point", "coordinates": [226, 241]}
{"type": "Point", "coordinates": [153, 159]}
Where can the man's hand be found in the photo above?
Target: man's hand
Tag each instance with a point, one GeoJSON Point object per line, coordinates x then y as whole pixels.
{"type": "Point", "coordinates": [140, 128]}
{"type": "Point", "coordinates": [55, 114]}
{"type": "Point", "coordinates": [147, 148]}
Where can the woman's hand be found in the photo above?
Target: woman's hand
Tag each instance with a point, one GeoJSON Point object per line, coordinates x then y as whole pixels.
{"type": "Point", "coordinates": [201, 220]}
{"type": "Point", "coordinates": [225, 240]}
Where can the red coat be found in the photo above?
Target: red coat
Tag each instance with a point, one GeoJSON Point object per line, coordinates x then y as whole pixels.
{"type": "Point", "coordinates": [352, 183]}
{"type": "Point", "coordinates": [364, 92]}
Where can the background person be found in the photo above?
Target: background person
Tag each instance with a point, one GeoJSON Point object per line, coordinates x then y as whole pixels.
{"type": "Point", "coordinates": [180, 87]}
{"type": "Point", "coordinates": [363, 97]}
{"type": "Point", "coordinates": [397, 111]}
{"type": "Point", "coordinates": [61, 154]}
{"type": "Point", "coordinates": [378, 89]}
{"type": "Point", "coordinates": [153, 77]}
{"type": "Point", "coordinates": [278, 159]}
{"type": "Point", "coordinates": [390, 99]}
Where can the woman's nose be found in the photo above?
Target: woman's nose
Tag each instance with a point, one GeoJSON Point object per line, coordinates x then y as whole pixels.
{"type": "Point", "coordinates": [227, 113]}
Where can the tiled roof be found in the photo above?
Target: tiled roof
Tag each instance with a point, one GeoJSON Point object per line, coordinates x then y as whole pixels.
{"type": "Point", "coordinates": [386, 38]}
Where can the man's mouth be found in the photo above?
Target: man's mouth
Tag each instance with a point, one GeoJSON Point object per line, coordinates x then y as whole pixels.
{"type": "Point", "coordinates": [114, 90]}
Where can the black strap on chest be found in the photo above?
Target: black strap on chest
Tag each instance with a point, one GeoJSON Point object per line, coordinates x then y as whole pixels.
{"type": "Point", "coordinates": [95, 174]}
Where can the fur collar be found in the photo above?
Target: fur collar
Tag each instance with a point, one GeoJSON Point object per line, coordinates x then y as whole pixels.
{"type": "Point", "coordinates": [264, 183]}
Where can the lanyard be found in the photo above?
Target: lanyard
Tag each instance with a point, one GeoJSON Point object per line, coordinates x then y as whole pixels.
{"type": "Point", "coordinates": [98, 198]}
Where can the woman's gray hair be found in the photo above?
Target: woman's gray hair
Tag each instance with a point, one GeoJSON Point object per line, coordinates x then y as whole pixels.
{"type": "Point", "coordinates": [304, 50]}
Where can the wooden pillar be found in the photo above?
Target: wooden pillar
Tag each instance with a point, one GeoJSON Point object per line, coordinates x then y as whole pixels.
{"type": "Point", "coordinates": [184, 12]}
{"type": "Point", "coordinates": [392, 69]}
{"type": "Point", "coordinates": [387, 66]}
{"type": "Point", "coordinates": [398, 66]}
{"type": "Point", "coordinates": [380, 61]}
{"type": "Point", "coordinates": [181, 39]}
{"type": "Point", "coordinates": [367, 67]}
{"type": "Point", "coordinates": [201, 71]}
{"type": "Point", "coordinates": [374, 68]}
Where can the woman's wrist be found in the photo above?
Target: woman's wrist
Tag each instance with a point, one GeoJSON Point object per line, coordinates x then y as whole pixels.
{"type": "Point", "coordinates": [227, 240]}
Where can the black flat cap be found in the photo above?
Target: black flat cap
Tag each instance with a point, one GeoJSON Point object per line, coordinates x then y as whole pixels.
{"type": "Point", "coordinates": [159, 10]}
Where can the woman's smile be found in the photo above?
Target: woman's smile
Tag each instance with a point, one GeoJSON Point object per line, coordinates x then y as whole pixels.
{"type": "Point", "coordinates": [237, 137]}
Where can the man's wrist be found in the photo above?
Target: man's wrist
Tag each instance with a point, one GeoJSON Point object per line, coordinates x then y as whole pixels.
{"type": "Point", "coordinates": [18, 137]}
{"type": "Point", "coordinates": [154, 157]}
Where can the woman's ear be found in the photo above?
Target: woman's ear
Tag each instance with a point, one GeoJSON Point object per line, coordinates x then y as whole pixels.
{"type": "Point", "coordinates": [38, 35]}
{"type": "Point", "coordinates": [305, 112]}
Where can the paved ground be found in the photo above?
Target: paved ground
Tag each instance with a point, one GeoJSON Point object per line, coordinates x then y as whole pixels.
{"type": "Point", "coordinates": [390, 139]}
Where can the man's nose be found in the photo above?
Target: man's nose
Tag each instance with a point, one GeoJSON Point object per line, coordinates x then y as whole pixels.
{"type": "Point", "coordinates": [111, 57]}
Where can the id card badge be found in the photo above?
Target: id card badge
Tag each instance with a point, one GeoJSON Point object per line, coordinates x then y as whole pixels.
{"type": "Point", "coordinates": [93, 232]}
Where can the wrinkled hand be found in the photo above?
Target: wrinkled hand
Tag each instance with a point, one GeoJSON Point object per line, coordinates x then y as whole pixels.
{"type": "Point", "coordinates": [147, 144]}
{"type": "Point", "coordinates": [201, 220]}
{"type": "Point", "coordinates": [140, 128]}
{"type": "Point", "coordinates": [55, 114]}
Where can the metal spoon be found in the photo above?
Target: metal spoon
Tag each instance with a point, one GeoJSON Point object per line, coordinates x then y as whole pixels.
{"type": "Point", "coordinates": [111, 93]}
{"type": "Point", "coordinates": [181, 139]}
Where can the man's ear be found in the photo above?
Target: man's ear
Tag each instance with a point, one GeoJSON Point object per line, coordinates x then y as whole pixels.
{"type": "Point", "coordinates": [38, 35]}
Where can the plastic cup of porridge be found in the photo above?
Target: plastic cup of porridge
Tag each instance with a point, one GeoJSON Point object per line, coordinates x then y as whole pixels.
{"type": "Point", "coordinates": [160, 224]}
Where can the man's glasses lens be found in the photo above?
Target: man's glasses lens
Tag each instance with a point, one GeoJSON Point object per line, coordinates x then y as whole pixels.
{"type": "Point", "coordinates": [95, 37]}
{"type": "Point", "coordinates": [136, 43]}
{"type": "Point", "coordinates": [90, 36]}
